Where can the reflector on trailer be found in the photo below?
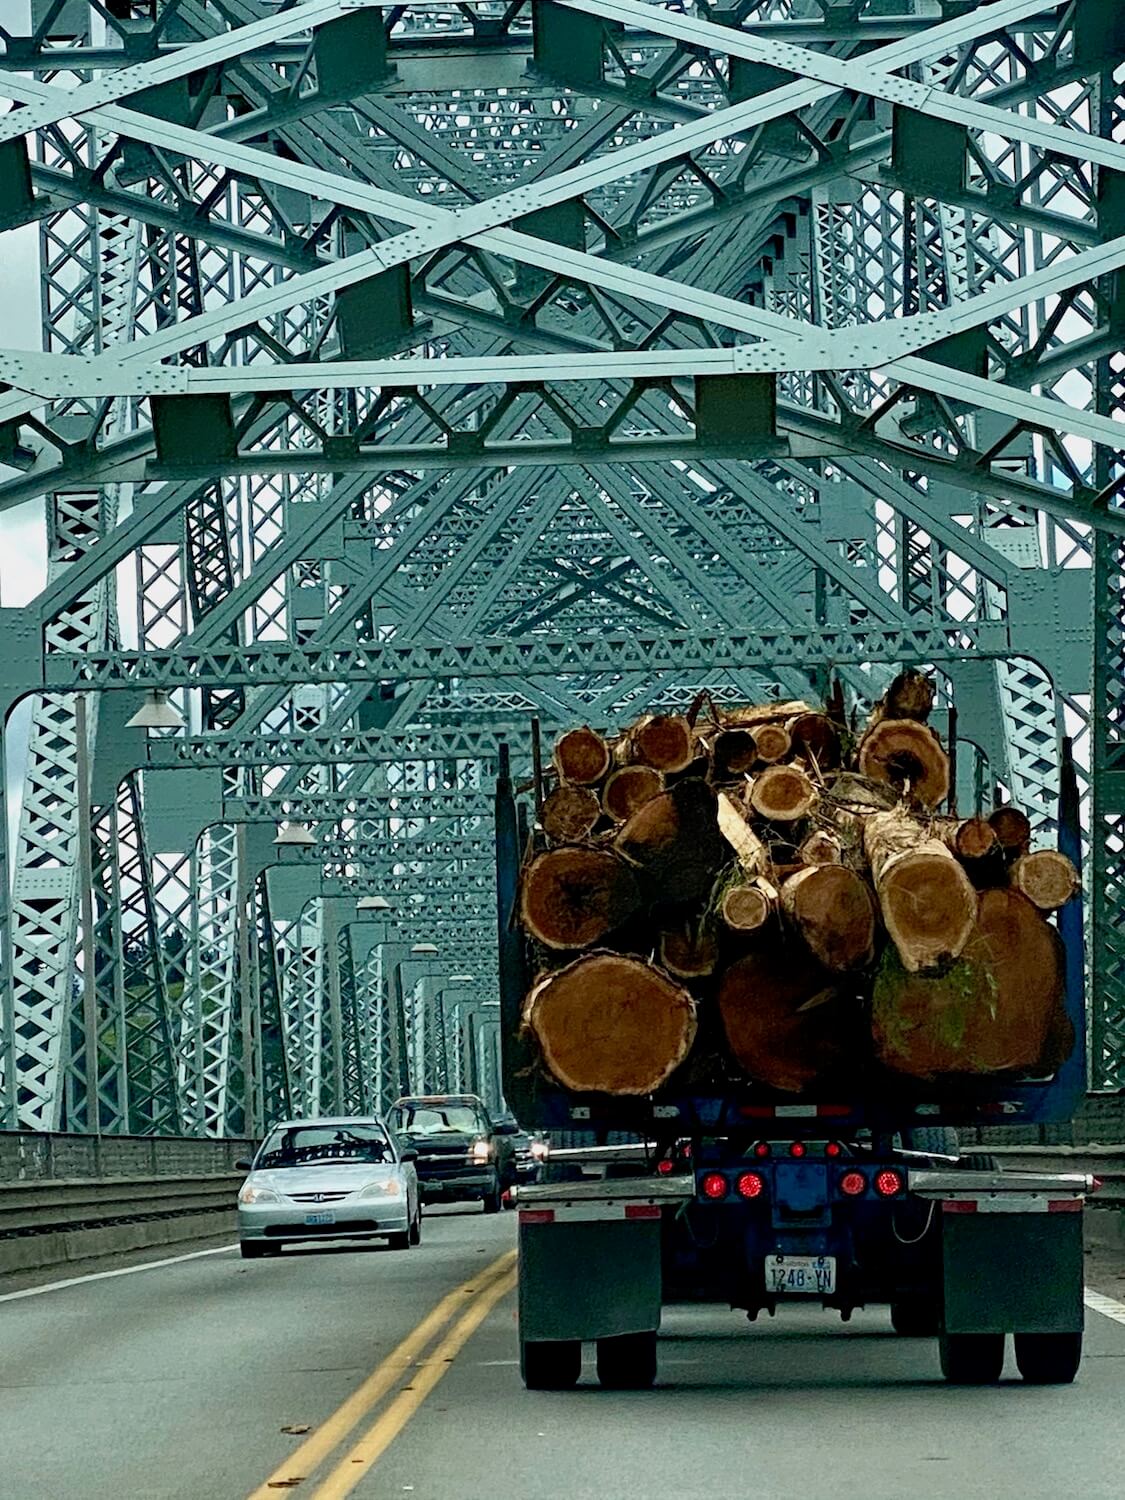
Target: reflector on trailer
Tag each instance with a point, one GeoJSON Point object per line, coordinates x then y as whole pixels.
{"type": "Point", "coordinates": [798, 1148]}
{"type": "Point", "coordinates": [853, 1183]}
{"type": "Point", "coordinates": [888, 1183]}
{"type": "Point", "coordinates": [714, 1185]}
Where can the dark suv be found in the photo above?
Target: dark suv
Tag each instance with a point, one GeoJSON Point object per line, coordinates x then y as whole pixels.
{"type": "Point", "coordinates": [462, 1155]}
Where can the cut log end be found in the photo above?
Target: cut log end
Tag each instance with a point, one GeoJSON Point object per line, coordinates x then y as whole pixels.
{"type": "Point", "coordinates": [908, 756]}
{"type": "Point", "coordinates": [928, 905]}
{"type": "Point", "coordinates": [733, 753]}
{"type": "Point", "coordinates": [814, 736]}
{"type": "Point", "coordinates": [674, 843]}
{"type": "Point", "coordinates": [773, 743]}
{"type": "Point", "coordinates": [822, 848]}
{"type": "Point", "coordinates": [582, 756]}
{"type": "Point", "coordinates": [787, 1023]}
{"type": "Point", "coordinates": [569, 813]}
{"type": "Point", "coordinates": [665, 742]}
{"type": "Point", "coordinates": [833, 911]}
{"type": "Point", "coordinates": [1012, 829]}
{"type": "Point", "coordinates": [783, 794]}
{"type": "Point", "coordinates": [746, 908]}
{"type": "Point", "coordinates": [571, 898]}
{"type": "Point", "coordinates": [974, 839]}
{"type": "Point", "coordinates": [607, 1024]}
{"type": "Point", "coordinates": [689, 951]}
{"type": "Point", "coordinates": [1047, 878]}
{"type": "Point", "coordinates": [627, 790]}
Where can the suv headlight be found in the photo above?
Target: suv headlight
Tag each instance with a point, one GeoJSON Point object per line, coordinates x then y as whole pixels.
{"type": "Point", "coordinates": [481, 1152]}
{"type": "Point", "coordinates": [390, 1188]}
{"type": "Point", "coordinates": [251, 1194]}
{"type": "Point", "coordinates": [538, 1150]}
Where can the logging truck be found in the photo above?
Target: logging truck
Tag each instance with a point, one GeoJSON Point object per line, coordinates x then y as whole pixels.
{"type": "Point", "coordinates": [755, 971]}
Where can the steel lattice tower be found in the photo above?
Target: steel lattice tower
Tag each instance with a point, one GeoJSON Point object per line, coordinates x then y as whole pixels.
{"type": "Point", "coordinates": [411, 372]}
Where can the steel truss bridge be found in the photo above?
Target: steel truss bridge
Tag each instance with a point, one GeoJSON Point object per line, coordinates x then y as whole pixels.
{"type": "Point", "coordinates": [410, 371]}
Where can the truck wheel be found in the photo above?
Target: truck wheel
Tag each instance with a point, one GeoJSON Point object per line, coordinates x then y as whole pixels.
{"type": "Point", "coordinates": [1048, 1358]}
{"type": "Point", "coordinates": [916, 1318]}
{"type": "Point", "coordinates": [627, 1362]}
{"type": "Point", "coordinates": [980, 1161]}
{"type": "Point", "coordinates": [493, 1200]}
{"type": "Point", "coordinates": [941, 1139]}
{"type": "Point", "coordinates": [551, 1365]}
{"type": "Point", "coordinates": [971, 1358]}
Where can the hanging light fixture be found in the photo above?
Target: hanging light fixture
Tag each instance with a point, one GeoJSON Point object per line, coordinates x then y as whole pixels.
{"type": "Point", "coordinates": [156, 712]}
{"type": "Point", "coordinates": [294, 836]}
{"type": "Point", "coordinates": [372, 903]}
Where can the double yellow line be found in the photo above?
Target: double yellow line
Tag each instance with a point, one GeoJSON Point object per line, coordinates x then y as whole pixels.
{"type": "Point", "coordinates": [474, 1299]}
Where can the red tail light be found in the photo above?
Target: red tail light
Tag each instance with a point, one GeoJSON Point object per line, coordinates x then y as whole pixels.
{"type": "Point", "coordinates": [853, 1183]}
{"type": "Point", "coordinates": [714, 1185]}
{"type": "Point", "coordinates": [751, 1185]}
{"type": "Point", "coordinates": [762, 1149]}
{"type": "Point", "coordinates": [888, 1183]}
{"type": "Point", "coordinates": [664, 1167]}
{"type": "Point", "coordinates": [798, 1148]}
{"type": "Point", "coordinates": [833, 1150]}
{"type": "Point", "coordinates": [685, 1151]}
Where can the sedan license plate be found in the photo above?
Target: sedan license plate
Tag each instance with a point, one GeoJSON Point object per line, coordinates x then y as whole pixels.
{"type": "Point", "coordinates": [325, 1217]}
{"type": "Point", "coordinates": [801, 1275]}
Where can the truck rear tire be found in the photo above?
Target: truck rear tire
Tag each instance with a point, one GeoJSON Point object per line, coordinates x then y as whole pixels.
{"type": "Point", "coordinates": [627, 1362]}
{"type": "Point", "coordinates": [940, 1139]}
{"type": "Point", "coordinates": [971, 1358]}
{"type": "Point", "coordinates": [916, 1318]}
{"type": "Point", "coordinates": [551, 1365]}
{"type": "Point", "coordinates": [1048, 1358]}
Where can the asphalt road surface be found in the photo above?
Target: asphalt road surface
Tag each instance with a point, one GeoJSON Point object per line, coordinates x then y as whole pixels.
{"type": "Point", "coordinates": [397, 1373]}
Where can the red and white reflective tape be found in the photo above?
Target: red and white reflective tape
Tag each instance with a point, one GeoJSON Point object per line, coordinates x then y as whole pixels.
{"type": "Point", "coordinates": [578, 1213]}
{"type": "Point", "coordinates": [1012, 1203]}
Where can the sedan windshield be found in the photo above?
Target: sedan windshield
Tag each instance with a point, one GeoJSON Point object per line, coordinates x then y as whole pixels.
{"type": "Point", "coordinates": [438, 1119]}
{"type": "Point", "coordinates": [307, 1145]}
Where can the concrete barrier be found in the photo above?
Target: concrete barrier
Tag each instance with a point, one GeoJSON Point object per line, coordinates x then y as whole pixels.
{"type": "Point", "coordinates": [66, 1198]}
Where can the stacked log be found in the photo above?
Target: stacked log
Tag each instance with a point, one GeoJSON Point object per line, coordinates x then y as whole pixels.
{"type": "Point", "coordinates": [767, 898]}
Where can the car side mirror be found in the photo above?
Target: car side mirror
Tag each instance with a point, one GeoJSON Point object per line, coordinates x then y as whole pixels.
{"type": "Point", "coordinates": [506, 1128]}
{"type": "Point", "coordinates": [408, 1153]}
{"type": "Point", "coordinates": [243, 1166]}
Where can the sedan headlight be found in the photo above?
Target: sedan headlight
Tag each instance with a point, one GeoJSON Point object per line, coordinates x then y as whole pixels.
{"type": "Point", "coordinates": [391, 1188]}
{"type": "Point", "coordinates": [251, 1194]}
{"type": "Point", "coordinates": [481, 1152]}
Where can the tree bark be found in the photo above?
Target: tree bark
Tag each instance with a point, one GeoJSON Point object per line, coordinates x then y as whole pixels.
{"type": "Point", "coordinates": [833, 911]}
{"type": "Point", "coordinates": [571, 898]}
{"type": "Point", "coordinates": [908, 756]}
{"type": "Point", "coordinates": [569, 813]}
{"type": "Point", "coordinates": [1047, 878]}
{"type": "Point", "coordinates": [665, 742]}
{"type": "Point", "coordinates": [581, 756]}
{"type": "Point", "coordinates": [787, 1023]}
{"type": "Point", "coordinates": [928, 904]}
{"type": "Point", "coordinates": [611, 1025]}
{"type": "Point", "coordinates": [910, 696]}
{"type": "Point", "coordinates": [627, 790]}
{"type": "Point", "coordinates": [782, 794]}
{"type": "Point", "coordinates": [675, 844]}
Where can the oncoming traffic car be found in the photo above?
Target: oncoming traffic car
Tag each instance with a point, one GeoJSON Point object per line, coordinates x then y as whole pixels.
{"type": "Point", "coordinates": [329, 1179]}
{"type": "Point", "coordinates": [462, 1155]}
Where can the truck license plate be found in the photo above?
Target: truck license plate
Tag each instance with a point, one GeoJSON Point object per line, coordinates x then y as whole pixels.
{"type": "Point", "coordinates": [808, 1275]}
{"type": "Point", "coordinates": [326, 1217]}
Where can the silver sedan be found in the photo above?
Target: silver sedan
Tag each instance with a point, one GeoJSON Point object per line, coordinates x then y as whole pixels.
{"type": "Point", "coordinates": [329, 1179]}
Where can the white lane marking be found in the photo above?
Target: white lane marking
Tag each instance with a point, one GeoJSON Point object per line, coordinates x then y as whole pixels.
{"type": "Point", "coordinates": [148, 1265]}
{"type": "Point", "coordinates": [1109, 1307]}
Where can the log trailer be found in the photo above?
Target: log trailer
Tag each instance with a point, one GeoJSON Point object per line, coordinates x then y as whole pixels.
{"type": "Point", "coordinates": [757, 1199]}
